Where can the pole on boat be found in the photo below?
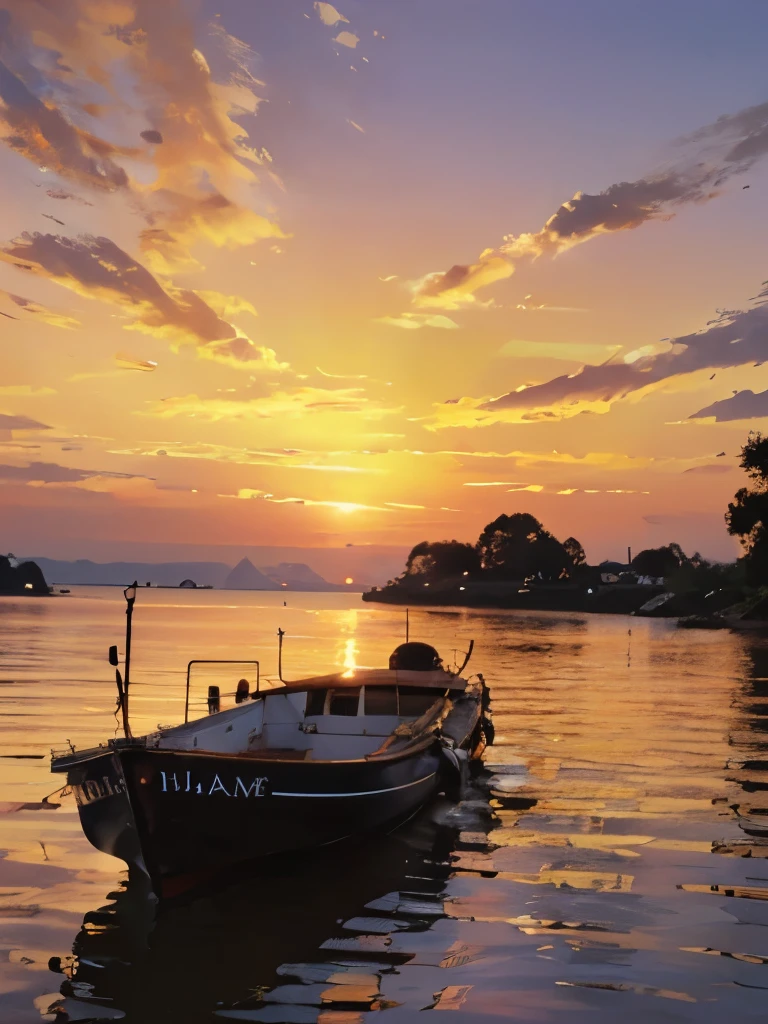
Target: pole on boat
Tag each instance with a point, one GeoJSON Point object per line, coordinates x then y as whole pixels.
{"type": "Point", "coordinates": [407, 626]}
{"type": "Point", "coordinates": [280, 635]}
{"type": "Point", "coordinates": [466, 659]}
{"type": "Point", "coordinates": [130, 599]}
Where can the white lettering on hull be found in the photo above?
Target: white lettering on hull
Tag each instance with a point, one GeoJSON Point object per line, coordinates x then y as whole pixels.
{"type": "Point", "coordinates": [170, 783]}
{"type": "Point", "coordinates": [91, 790]}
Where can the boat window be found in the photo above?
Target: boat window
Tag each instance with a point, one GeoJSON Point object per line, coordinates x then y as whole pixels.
{"type": "Point", "coordinates": [316, 702]}
{"type": "Point", "coordinates": [380, 700]}
{"type": "Point", "coordinates": [344, 702]}
{"type": "Point", "coordinates": [415, 700]}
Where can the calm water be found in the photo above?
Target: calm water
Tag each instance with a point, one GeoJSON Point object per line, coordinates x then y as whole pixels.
{"type": "Point", "coordinates": [609, 864]}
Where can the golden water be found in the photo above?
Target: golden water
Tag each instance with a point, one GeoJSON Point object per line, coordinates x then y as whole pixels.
{"type": "Point", "coordinates": [610, 865]}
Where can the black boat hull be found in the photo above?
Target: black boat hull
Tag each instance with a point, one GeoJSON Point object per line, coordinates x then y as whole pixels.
{"type": "Point", "coordinates": [104, 806]}
{"type": "Point", "coordinates": [176, 813]}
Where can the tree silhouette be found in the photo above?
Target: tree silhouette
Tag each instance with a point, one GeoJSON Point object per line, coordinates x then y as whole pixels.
{"type": "Point", "coordinates": [518, 546]}
{"type": "Point", "coordinates": [575, 552]}
{"type": "Point", "coordinates": [747, 515]}
{"type": "Point", "coordinates": [432, 560]}
{"type": "Point", "coordinates": [659, 561]}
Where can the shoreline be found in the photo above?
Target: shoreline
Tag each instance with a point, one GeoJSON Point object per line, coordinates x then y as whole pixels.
{"type": "Point", "coordinates": [617, 599]}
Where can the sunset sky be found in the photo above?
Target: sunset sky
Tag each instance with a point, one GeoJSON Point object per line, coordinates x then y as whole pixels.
{"type": "Point", "coordinates": [276, 273]}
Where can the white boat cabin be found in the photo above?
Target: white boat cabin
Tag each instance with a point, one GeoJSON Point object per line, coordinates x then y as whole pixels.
{"type": "Point", "coordinates": [337, 717]}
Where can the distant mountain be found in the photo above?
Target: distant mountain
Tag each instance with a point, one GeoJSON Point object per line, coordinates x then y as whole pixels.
{"type": "Point", "coordinates": [164, 574]}
{"type": "Point", "coordinates": [297, 575]}
{"type": "Point", "coordinates": [245, 576]}
{"type": "Point", "coordinates": [300, 576]}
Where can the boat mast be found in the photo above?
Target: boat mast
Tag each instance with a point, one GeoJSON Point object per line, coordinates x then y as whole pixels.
{"type": "Point", "coordinates": [130, 599]}
{"type": "Point", "coordinates": [280, 635]}
{"type": "Point", "coordinates": [466, 659]}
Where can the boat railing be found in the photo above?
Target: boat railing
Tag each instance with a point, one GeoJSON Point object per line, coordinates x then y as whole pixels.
{"type": "Point", "coordinates": [237, 693]}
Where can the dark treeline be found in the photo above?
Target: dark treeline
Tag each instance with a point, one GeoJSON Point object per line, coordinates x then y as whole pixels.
{"type": "Point", "coordinates": [512, 547]}
{"type": "Point", "coordinates": [517, 548]}
{"type": "Point", "coordinates": [747, 515]}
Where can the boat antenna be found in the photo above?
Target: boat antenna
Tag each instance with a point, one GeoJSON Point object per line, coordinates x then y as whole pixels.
{"type": "Point", "coordinates": [407, 626]}
{"type": "Point", "coordinates": [466, 659]}
{"type": "Point", "coordinates": [280, 635]}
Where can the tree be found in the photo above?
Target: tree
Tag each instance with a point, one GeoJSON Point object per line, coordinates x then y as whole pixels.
{"type": "Point", "coordinates": [575, 552]}
{"type": "Point", "coordinates": [659, 561]}
{"type": "Point", "coordinates": [517, 546]}
{"type": "Point", "coordinates": [435, 560]}
{"type": "Point", "coordinates": [747, 515]}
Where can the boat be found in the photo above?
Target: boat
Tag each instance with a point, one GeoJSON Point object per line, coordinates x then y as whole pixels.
{"type": "Point", "coordinates": [289, 766]}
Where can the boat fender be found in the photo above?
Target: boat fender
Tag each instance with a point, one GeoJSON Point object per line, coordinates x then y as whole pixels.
{"type": "Point", "coordinates": [489, 730]}
{"type": "Point", "coordinates": [455, 767]}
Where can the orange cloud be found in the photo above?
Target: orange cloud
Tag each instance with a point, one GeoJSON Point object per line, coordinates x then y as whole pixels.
{"type": "Point", "coordinates": [292, 404]}
{"type": "Point", "coordinates": [249, 493]}
{"type": "Point", "coordinates": [413, 321]}
{"type": "Point", "coordinates": [328, 13]}
{"type": "Point", "coordinates": [97, 268]}
{"type": "Point", "coordinates": [48, 316]}
{"type": "Point", "coordinates": [734, 338]}
{"type": "Point", "coordinates": [24, 391]}
{"type": "Point", "coordinates": [142, 60]}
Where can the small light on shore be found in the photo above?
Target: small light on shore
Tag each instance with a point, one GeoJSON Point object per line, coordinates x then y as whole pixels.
{"type": "Point", "coordinates": [28, 586]}
{"type": "Point", "coordinates": [462, 588]}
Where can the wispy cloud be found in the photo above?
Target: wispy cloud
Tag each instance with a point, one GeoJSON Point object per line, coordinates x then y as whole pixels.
{"type": "Point", "coordinates": [710, 469]}
{"type": "Point", "coordinates": [273, 458]}
{"type": "Point", "coordinates": [292, 404]}
{"type": "Point", "coordinates": [25, 391]}
{"type": "Point", "coordinates": [48, 316]}
{"type": "Point", "coordinates": [710, 157]}
{"type": "Point", "coordinates": [126, 361]}
{"type": "Point", "coordinates": [328, 13]}
{"type": "Point", "coordinates": [734, 338]}
{"type": "Point", "coordinates": [9, 422]}
{"type": "Point", "coordinates": [248, 493]}
{"type": "Point", "coordinates": [565, 351]}
{"type": "Point", "coordinates": [35, 473]}
{"type": "Point", "coordinates": [77, 76]}
{"type": "Point", "coordinates": [491, 483]}
{"type": "Point", "coordinates": [138, 60]}
{"type": "Point", "coordinates": [97, 268]}
{"type": "Point", "coordinates": [342, 376]}
{"type": "Point", "coordinates": [413, 321]}
{"type": "Point", "coordinates": [348, 39]}
{"type": "Point", "coordinates": [746, 405]}
{"type": "Point", "coordinates": [42, 134]}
